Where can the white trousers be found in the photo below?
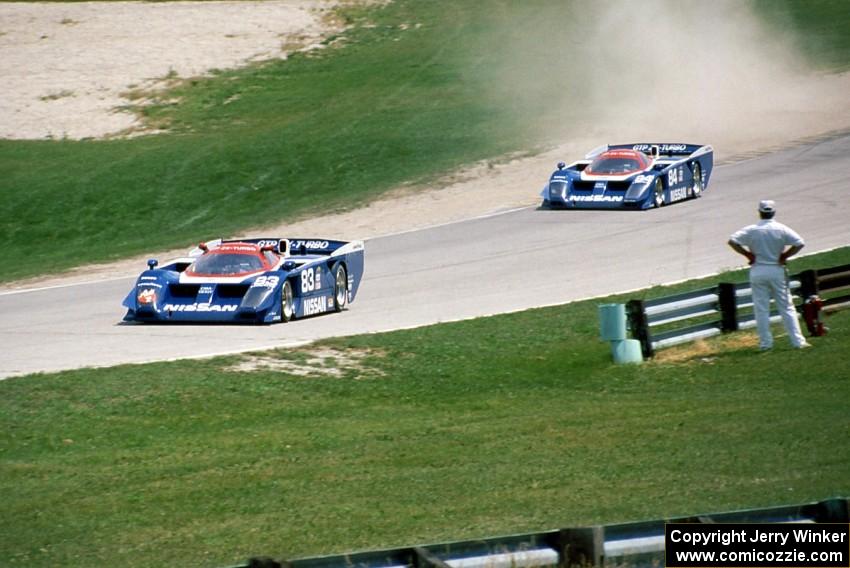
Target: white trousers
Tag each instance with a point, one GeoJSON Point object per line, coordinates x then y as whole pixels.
{"type": "Point", "coordinates": [770, 281]}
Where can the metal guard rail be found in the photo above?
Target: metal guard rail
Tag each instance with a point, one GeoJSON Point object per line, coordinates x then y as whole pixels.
{"type": "Point", "coordinates": [634, 544]}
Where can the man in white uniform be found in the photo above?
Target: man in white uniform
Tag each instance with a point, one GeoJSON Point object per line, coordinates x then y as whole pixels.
{"type": "Point", "coordinates": [764, 246]}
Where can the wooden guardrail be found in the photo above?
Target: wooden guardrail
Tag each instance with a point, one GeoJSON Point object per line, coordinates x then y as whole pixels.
{"type": "Point", "coordinates": [728, 307]}
{"type": "Point", "coordinates": [632, 544]}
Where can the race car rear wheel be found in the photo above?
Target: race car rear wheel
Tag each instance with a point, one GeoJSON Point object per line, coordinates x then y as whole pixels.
{"type": "Point", "coordinates": [340, 288]}
{"type": "Point", "coordinates": [287, 302]}
{"type": "Point", "coordinates": [658, 193]}
{"type": "Point", "coordinates": [696, 190]}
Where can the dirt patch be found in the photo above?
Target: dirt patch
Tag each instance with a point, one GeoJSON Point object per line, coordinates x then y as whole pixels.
{"type": "Point", "coordinates": [67, 67]}
{"type": "Point", "coordinates": [311, 362]}
{"type": "Point", "coordinates": [705, 352]}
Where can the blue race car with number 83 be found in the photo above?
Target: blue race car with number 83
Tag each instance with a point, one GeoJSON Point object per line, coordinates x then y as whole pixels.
{"type": "Point", "coordinates": [631, 176]}
{"type": "Point", "coordinates": [250, 281]}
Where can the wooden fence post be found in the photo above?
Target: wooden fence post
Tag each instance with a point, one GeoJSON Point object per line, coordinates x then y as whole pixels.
{"type": "Point", "coordinates": [639, 326]}
{"type": "Point", "coordinates": [728, 304]}
{"type": "Point", "coordinates": [581, 547]}
{"type": "Point", "coordinates": [808, 284]}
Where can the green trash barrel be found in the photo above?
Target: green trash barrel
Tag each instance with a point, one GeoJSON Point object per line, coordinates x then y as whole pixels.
{"type": "Point", "coordinates": [612, 321]}
{"type": "Point", "coordinates": [626, 351]}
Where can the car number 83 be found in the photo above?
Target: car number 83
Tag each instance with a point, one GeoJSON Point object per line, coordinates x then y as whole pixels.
{"type": "Point", "coordinates": [266, 282]}
{"type": "Point", "coordinates": [311, 279]}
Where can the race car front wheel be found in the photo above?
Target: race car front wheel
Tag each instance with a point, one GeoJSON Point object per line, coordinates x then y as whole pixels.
{"type": "Point", "coordinates": [287, 304]}
{"type": "Point", "coordinates": [658, 193]}
{"type": "Point", "coordinates": [340, 288]}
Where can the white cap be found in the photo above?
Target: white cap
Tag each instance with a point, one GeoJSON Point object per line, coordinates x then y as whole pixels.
{"type": "Point", "coordinates": [767, 206]}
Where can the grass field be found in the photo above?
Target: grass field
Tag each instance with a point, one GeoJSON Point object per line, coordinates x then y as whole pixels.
{"type": "Point", "coordinates": [491, 426]}
{"type": "Point", "coordinates": [415, 90]}
{"type": "Point", "coordinates": [820, 28]}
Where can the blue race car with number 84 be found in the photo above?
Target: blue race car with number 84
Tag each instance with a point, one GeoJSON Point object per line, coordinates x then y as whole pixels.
{"type": "Point", "coordinates": [631, 176]}
{"type": "Point", "coordinates": [249, 281]}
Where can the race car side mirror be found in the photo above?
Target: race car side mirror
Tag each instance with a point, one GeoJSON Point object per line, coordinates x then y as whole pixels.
{"type": "Point", "coordinates": [152, 263]}
{"type": "Point", "coordinates": [290, 265]}
{"type": "Point", "coordinates": [561, 165]}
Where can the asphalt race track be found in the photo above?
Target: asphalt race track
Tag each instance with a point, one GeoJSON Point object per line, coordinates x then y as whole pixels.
{"type": "Point", "coordinates": [505, 262]}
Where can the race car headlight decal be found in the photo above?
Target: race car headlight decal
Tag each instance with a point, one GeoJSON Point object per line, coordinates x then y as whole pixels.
{"type": "Point", "coordinates": [262, 288]}
{"type": "Point", "coordinates": [558, 189]}
{"type": "Point", "coordinates": [146, 297]}
{"type": "Point", "coordinates": [636, 191]}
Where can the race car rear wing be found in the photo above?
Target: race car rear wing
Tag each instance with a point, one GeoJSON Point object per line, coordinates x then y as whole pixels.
{"type": "Point", "coordinates": [316, 246]}
{"type": "Point", "coordinates": [285, 246]}
{"type": "Point", "coordinates": [657, 149]}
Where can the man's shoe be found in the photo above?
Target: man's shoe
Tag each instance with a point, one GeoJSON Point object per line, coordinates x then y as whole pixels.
{"type": "Point", "coordinates": [805, 345]}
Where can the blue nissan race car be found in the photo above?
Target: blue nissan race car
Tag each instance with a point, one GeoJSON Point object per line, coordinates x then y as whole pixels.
{"type": "Point", "coordinates": [631, 176]}
{"type": "Point", "coordinates": [249, 281]}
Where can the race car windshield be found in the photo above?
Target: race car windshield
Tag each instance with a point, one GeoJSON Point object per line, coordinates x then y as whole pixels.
{"type": "Point", "coordinates": [615, 165]}
{"type": "Point", "coordinates": [226, 264]}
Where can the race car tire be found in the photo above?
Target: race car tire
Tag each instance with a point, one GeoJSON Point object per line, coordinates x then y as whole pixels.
{"type": "Point", "coordinates": [340, 288]}
{"type": "Point", "coordinates": [287, 303]}
{"type": "Point", "coordinates": [658, 194]}
{"type": "Point", "coordinates": [696, 190]}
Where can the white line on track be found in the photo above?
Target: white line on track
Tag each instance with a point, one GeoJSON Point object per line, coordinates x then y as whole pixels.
{"type": "Point", "coordinates": [67, 285]}
{"type": "Point", "coordinates": [446, 224]}
{"type": "Point", "coordinates": [115, 278]}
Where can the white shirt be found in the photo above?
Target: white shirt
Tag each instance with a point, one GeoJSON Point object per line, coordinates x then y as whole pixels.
{"type": "Point", "coordinates": [767, 239]}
